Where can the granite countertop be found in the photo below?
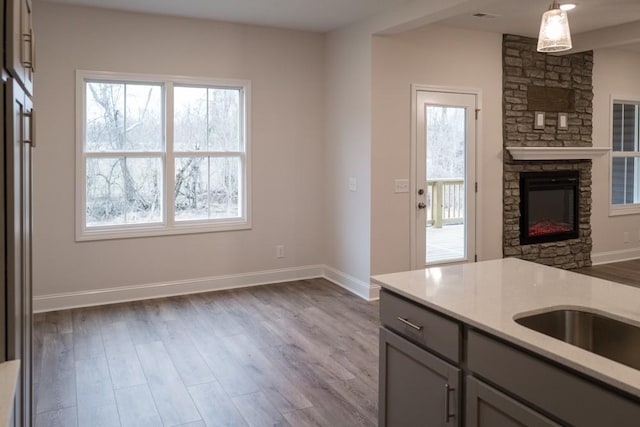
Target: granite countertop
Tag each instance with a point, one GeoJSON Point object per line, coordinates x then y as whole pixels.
{"type": "Point", "coordinates": [8, 378]}
{"type": "Point", "coordinates": [490, 294]}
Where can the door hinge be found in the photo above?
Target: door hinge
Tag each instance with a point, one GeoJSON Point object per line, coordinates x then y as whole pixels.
{"type": "Point", "coordinates": [476, 187]}
{"type": "Point", "coordinates": [477, 112]}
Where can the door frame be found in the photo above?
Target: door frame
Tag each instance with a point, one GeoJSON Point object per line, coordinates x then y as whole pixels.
{"type": "Point", "coordinates": [413, 189]}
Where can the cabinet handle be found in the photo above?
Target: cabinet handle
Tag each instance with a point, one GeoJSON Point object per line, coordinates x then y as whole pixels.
{"type": "Point", "coordinates": [30, 40]}
{"type": "Point", "coordinates": [31, 115]}
{"type": "Point", "coordinates": [413, 325]}
{"type": "Point", "coordinates": [447, 403]}
{"type": "Point", "coordinates": [33, 52]}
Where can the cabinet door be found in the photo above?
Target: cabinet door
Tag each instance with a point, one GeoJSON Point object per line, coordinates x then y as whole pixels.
{"type": "Point", "coordinates": [547, 386]}
{"type": "Point", "coordinates": [18, 145]}
{"type": "Point", "coordinates": [20, 42]}
{"type": "Point", "coordinates": [416, 387]}
{"type": "Point", "coordinates": [487, 407]}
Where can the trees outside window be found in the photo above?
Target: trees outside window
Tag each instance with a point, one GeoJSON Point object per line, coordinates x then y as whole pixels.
{"type": "Point", "coordinates": [161, 155]}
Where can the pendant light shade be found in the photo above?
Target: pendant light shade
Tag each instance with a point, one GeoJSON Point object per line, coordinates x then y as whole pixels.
{"type": "Point", "coordinates": [555, 35]}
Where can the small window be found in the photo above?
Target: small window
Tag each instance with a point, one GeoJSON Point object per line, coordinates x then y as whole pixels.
{"type": "Point", "coordinates": [625, 160]}
{"type": "Point", "coordinates": [160, 155]}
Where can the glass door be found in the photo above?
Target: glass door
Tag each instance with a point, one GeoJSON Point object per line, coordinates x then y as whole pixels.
{"type": "Point", "coordinates": [445, 178]}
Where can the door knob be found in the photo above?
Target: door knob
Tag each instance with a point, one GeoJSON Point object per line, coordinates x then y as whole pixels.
{"type": "Point", "coordinates": [421, 205]}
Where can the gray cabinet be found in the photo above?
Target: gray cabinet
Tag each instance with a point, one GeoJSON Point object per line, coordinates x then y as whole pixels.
{"type": "Point", "coordinates": [15, 185]}
{"type": "Point", "coordinates": [422, 326]}
{"type": "Point", "coordinates": [487, 407]}
{"type": "Point", "coordinates": [432, 366]}
{"type": "Point", "coordinates": [416, 387]}
{"type": "Point", "coordinates": [556, 390]}
{"type": "Point", "coordinates": [18, 146]}
{"type": "Point", "coordinates": [20, 43]}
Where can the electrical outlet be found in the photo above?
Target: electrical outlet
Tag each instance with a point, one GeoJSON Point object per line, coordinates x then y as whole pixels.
{"type": "Point", "coordinates": [625, 237]}
{"type": "Point", "coordinates": [280, 251]}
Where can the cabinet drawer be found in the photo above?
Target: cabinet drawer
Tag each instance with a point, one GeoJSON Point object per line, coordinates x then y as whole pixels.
{"type": "Point", "coordinates": [568, 396]}
{"type": "Point", "coordinates": [420, 325]}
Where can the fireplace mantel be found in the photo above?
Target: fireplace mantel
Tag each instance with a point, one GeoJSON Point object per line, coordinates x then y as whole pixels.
{"type": "Point", "coordinates": [557, 153]}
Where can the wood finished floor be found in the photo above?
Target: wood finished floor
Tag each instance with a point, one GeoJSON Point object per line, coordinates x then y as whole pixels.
{"type": "Point", "coordinates": [625, 272]}
{"type": "Point", "coordinates": [301, 353]}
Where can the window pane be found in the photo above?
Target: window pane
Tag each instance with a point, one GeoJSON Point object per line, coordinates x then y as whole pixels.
{"type": "Point", "coordinates": [224, 187]}
{"type": "Point", "coordinates": [144, 118]}
{"type": "Point", "coordinates": [624, 177]}
{"type": "Point", "coordinates": [207, 188]}
{"type": "Point", "coordinates": [104, 117]}
{"type": "Point", "coordinates": [191, 201]}
{"type": "Point", "coordinates": [625, 127]}
{"type": "Point", "coordinates": [629, 142]}
{"type": "Point", "coordinates": [617, 127]}
{"type": "Point", "coordinates": [144, 190]}
{"type": "Point", "coordinates": [190, 118]}
{"type": "Point", "coordinates": [124, 191]}
{"type": "Point", "coordinates": [224, 120]}
{"type": "Point", "coordinates": [105, 192]}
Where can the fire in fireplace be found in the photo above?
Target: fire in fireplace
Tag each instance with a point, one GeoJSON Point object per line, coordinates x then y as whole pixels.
{"type": "Point", "coordinates": [548, 206]}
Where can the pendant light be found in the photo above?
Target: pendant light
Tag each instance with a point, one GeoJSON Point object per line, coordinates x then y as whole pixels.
{"type": "Point", "coordinates": [554, 30]}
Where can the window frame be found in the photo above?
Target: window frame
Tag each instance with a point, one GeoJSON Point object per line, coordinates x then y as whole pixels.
{"type": "Point", "coordinates": [623, 209]}
{"type": "Point", "coordinates": [168, 224]}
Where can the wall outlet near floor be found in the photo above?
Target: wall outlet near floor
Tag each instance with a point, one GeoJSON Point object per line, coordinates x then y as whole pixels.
{"type": "Point", "coordinates": [280, 251]}
{"type": "Point", "coordinates": [625, 237]}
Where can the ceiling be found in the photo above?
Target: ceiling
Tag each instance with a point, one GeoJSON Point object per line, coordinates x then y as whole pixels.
{"type": "Point", "coordinates": [520, 17]}
{"type": "Point", "coordinates": [309, 15]}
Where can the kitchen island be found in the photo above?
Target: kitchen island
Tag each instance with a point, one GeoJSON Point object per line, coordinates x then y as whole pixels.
{"type": "Point", "coordinates": [458, 322]}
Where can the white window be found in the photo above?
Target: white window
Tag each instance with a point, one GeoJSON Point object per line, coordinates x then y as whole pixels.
{"type": "Point", "coordinates": [625, 159]}
{"type": "Point", "coordinates": [160, 155]}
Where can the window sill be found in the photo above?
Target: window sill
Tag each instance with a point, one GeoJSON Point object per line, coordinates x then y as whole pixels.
{"type": "Point", "coordinates": [160, 230]}
{"type": "Point", "coordinates": [624, 210]}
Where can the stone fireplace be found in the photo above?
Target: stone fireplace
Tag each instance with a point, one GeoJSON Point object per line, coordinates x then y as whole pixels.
{"type": "Point", "coordinates": [558, 88]}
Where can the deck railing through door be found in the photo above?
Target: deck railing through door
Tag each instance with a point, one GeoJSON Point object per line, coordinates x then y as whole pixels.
{"type": "Point", "coordinates": [445, 202]}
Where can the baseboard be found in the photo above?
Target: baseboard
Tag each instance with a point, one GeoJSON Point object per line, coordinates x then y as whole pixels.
{"type": "Point", "coordinates": [364, 290]}
{"type": "Point", "coordinates": [615, 256]}
{"type": "Point", "coordinates": [67, 300]}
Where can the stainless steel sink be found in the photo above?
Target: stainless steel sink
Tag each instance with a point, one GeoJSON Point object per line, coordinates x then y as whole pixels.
{"type": "Point", "coordinates": [598, 334]}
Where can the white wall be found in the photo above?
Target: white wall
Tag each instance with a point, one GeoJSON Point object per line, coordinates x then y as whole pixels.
{"type": "Point", "coordinates": [287, 73]}
{"type": "Point", "coordinates": [615, 73]}
{"type": "Point", "coordinates": [468, 59]}
{"type": "Point", "coordinates": [349, 226]}
{"type": "Point", "coordinates": [348, 154]}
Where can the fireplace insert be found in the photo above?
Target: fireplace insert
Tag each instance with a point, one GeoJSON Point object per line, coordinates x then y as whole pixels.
{"type": "Point", "coordinates": [548, 206]}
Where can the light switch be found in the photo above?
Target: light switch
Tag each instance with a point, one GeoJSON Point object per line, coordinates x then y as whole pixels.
{"type": "Point", "coordinates": [401, 186]}
{"type": "Point", "coordinates": [353, 183]}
